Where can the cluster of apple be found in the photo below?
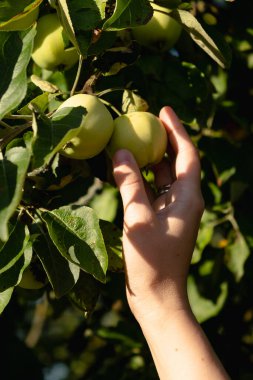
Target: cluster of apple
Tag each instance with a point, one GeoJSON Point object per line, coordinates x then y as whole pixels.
{"type": "Point", "coordinates": [140, 132]}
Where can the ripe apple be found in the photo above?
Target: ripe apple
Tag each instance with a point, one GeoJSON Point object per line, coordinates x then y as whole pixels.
{"type": "Point", "coordinates": [49, 50]}
{"type": "Point", "coordinates": [143, 134]}
{"type": "Point", "coordinates": [96, 128]}
{"type": "Point", "coordinates": [160, 33]}
{"type": "Point", "coordinates": [20, 21]}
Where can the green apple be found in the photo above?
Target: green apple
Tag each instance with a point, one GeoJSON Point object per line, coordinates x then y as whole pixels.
{"type": "Point", "coordinates": [96, 128]}
{"type": "Point", "coordinates": [160, 33]}
{"type": "Point", "coordinates": [143, 134]}
{"type": "Point", "coordinates": [49, 50]}
{"type": "Point", "coordinates": [20, 21]}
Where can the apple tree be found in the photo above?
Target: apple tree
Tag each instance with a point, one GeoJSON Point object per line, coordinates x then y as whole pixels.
{"type": "Point", "coordinates": [60, 212]}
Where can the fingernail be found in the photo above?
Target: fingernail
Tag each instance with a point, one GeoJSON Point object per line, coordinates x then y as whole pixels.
{"type": "Point", "coordinates": [122, 156]}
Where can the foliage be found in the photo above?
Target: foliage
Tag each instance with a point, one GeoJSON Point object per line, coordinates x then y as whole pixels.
{"type": "Point", "coordinates": [64, 216]}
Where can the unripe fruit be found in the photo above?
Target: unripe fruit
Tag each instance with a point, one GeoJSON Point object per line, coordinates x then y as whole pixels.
{"type": "Point", "coordinates": [160, 33]}
{"type": "Point", "coordinates": [49, 50]}
{"type": "Point", "coordinates": [143, 134]}
{"type": "Point", "coordinates": [96, 127]}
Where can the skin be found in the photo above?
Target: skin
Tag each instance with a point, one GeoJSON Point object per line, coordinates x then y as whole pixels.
{"type": "Point", "coordinates": [158, 297]}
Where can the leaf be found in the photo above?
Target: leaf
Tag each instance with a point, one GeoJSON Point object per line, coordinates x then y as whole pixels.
{"type": "Point", "coordinates": [64, 16]}
{"type": "Point", "coordinates": [50, 135]}
{"type": "Point", "coordinates": [105, 203]}
{"type": "Point", "coordinates": [204, 308]}
{"type": "Point", "coordinates": [13, 275]}
{"type": "Point", "coordinates": [5, 298]}
{"type": "Point", "coordinates": [13, 249]}
{"type": "Point", "coordinates": [15, 15]}
{"type": "Point", "coordinates": [13, 169]}
{"type": "Point", "coordinates": [200, 36]}
{"type": "Point", "coordinates": [205, 234]}
{"type": "Point", "coordinates": [132, 102]}
{"type": "Point", "coordinates": [16, 80]}
{"type": "Point", "coordinates": [129, 13]}
{"type": "Point", "coordinates": [61, 273]}
{"type": "Point", "coordinates": [77, 235]}
{"type": "Point", "coordinates": [113, 242]}
{"type": "Point", "coordinates": [85, 293]}
{"type": "Point", "coordinates": [236, 255]}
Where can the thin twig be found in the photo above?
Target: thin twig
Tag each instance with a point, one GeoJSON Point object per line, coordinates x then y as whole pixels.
{"type": "Point", "coordinates": [111, 106]}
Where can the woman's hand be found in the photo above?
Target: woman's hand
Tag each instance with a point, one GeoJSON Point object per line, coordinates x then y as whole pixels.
{"type": "Point", "coordinates": [160, 231]}
{"type": "Point", "coordinates": [159, 237]}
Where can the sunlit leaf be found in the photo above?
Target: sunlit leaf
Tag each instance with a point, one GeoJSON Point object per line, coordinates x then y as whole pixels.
{"type": "Point", "coordinates": [236, 255]}
{"type": "Point", "coordinates": [15, 54]}
{"type": "Point", "coordinates": [77, 235]}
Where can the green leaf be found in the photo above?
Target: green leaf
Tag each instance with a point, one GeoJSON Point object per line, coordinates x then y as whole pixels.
{"type": "Point", "coordinates": [113, 242]}
{"type": "Point", "coordinates": [61, 273]}
{"type": "Point", "coordinates": [85, 293]}
{"type": "Point", "coordinates": [236, 255]}
{"type": "Point", "coordinates": [13, 249]}
{"type": "Point", "coordinates": [50, 135]}
{"type": "Point", "coordinates": [13, 169]}
{"type": "Point", "coordinates": [204, 308]}
{"type": "Point", "coordinates": [10, 8]}
{"type": "Point", "coordinates": [205, 234]}
{"type": "Point", "coordinates": [199, 35]}
{"type": "Point", "coordinates": [105, 203]}
{"type": "Point", "coordinates": [77, 235]}
{"type": "Point", "coordinates": [16, 81]}
{"type": "Point", "coordinates": [129, 13]}
{"type": "Point", "coordinates": [5, 298]}
{"type": "Point", "coordinates": [17, 15]}
{"type": "Point", "coordinates": [13, 275]}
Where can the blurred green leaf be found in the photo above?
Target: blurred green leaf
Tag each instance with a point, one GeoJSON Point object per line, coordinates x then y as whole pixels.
{"type": "Point", "coordinates": [204, 308]}
{"type": "Point", "coordinates": [200, 36]}
{"type": "Point", "coordinates": [77, 235]}
{"type": "Point", "coordinates": [236, 254]}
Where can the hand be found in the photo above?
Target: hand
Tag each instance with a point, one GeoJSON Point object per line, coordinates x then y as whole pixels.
{"type": "Point", "coordinates": [158, 240]}
{"type": "Point", "coordinates": [160, 232]}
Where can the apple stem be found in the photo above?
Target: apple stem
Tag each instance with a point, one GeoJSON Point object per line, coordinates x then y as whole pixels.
{"type": "Point", "coordinates": [80, 64]}
{"type": "Point", "coordinates": [111, 106]}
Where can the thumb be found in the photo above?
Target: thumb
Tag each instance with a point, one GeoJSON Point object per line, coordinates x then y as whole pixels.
{"type": "Point", "coordinates": [130, 183]}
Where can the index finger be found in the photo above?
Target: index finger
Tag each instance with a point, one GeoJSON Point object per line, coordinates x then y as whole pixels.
{"type": "Point", "coordinates": [187, 164]}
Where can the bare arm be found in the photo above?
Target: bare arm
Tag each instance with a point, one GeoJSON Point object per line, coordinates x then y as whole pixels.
{"type": "Point", "coordinates": [159, 238]}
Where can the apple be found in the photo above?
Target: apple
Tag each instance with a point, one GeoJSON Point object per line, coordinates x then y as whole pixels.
{"type": "Point", "coordinates": [49, 51]}
{"type": "Point", "coordinates": [143, 134]}
{"type": "Point", "coordinates": [20, 21]}
{"type": "Point", "coordinates": [160, 33]}
{"type": "Point", "coordinates": [96, 128]}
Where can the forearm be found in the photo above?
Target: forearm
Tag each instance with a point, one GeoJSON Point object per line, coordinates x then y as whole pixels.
{"type": "Point", "coordinates": [180, 348]}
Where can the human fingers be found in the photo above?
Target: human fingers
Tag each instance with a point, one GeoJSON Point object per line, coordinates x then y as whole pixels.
{"type": "Point", "coordinates": [187, 165]}
{"type": "Point", "coordinates": [130, 183]}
